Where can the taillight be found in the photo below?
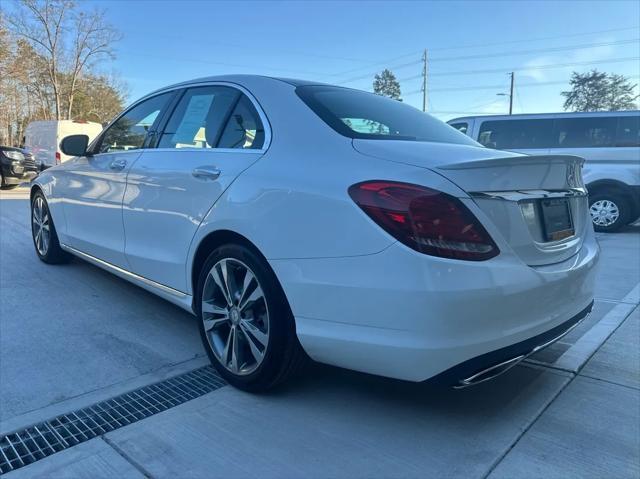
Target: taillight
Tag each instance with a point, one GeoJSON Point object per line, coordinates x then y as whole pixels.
{"type": "Point", "coordinates": [429, 221]}
{"type": "Point", "coordinates": [57, 157]}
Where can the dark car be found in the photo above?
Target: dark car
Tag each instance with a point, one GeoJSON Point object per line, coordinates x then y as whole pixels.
{"type": "Point", "coordinates": [16, 166]}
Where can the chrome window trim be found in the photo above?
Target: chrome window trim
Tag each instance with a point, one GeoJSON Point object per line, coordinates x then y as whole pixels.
{"type": "Point", "coordinates": [263, 117]}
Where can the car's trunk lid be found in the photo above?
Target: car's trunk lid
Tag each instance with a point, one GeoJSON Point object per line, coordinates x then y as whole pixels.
{"type": "Point", "coordinates": [537, 203]}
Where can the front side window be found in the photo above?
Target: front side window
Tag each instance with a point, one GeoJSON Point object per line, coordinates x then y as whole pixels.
{"type": "Point", "coordinates": [593, 132]}
{"type": "Point", "coordinates": [213, 117]}
{"type": "Point", "coordinates": [130, 130]}
{"type": "Point", "coordinates": [516, 134]}
{"type": "Point", "coordinates": [628, 133]}
{"type": "Point", "coordinates": [358, 114]}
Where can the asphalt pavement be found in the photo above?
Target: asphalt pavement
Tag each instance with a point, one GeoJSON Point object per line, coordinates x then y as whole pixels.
{"type": "Point", "coordinates": [74, 335]}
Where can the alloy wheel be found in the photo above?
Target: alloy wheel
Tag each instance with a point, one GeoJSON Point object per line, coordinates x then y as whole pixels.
{"type": "Point", "coordinates": [41, 226]}
{"type": "Point", "coordinates": [604, 212]}
{"type": "Point", "coordinates": [235, 316]}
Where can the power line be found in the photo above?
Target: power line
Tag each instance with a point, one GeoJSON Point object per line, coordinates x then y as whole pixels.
{"type": "Point", "coordinates": [495, 87]}
{"type": "Point", "coordinates": [526, 40]}
{"type": "Point", "coordinates": [574, 47]}
{"type": "Point", "coordinates": [478, 45]}
{"type": "Point", "coordinates": [521, 69]}
{"type": "Point", "coordinates": [538, 50]}
{"type": "Point", "coordinates": [368, 75]}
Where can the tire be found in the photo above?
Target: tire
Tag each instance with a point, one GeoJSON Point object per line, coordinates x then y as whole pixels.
{"type": "Point", "coordinates": [251, 342]}
{"type": "Point", "coordinates": [609, 210]}
{"type": "Point", "coordinates": [45, 240]}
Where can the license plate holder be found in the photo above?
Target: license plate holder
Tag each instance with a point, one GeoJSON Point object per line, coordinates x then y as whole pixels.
{"type": "Point", "coordinates": [557, 222]}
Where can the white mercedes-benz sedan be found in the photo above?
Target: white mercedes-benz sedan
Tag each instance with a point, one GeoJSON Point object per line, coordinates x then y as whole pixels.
{"type": "Point", "coordinates": [296, 220]}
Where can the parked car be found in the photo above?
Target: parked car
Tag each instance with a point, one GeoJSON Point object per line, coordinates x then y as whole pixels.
{"type": "Point", "coordinates": [301, 219]}
{"type": "Point", "coordinates": [16, 166]}
{"type": "Point", "coordinates": [608, 141]}
{"type": "Point", "coordinates": [42, 139]}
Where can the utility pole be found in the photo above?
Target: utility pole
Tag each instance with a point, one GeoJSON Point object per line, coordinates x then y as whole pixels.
{"type": "Point", "coordinates": [424, 80]}
{"type": "Point", "coordinates": [511, 95]}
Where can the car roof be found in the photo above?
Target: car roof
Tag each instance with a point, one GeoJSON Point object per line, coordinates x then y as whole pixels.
{"type": "Point", "coordinates": [243, 77]}
{"type": "Point", "coordinates": [9, 148]}
{"type": "Point", "coordinates": [568, 114]}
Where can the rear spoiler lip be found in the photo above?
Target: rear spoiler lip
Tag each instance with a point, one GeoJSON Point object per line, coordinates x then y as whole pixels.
{"type": "Point", "coordinates": [513, 161]}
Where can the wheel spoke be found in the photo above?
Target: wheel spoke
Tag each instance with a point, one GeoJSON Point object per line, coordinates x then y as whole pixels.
{"type": "Point", "coordinates": [246, 283]}
{"type": "Point", "coordinates": [252, 298]}
{"type": "Point", "coordinates": [221, 284]}
{"type": "Point", "coordinates": [209, 307]}
{"type": "Point", "coordinates": [235, 351]}
{"type": "Point", "coordinates": [229, 280]}
{"type": "Point", "coordinates": [45, 240]}
{"type": "Point", "coordinates": [227, 347]}
{"type": "Point", "coordinates": [249, 328]}
{"type": "Point", "coordinates": [257, 354]}
{"type": "Point", "coordinates": [210, 324]}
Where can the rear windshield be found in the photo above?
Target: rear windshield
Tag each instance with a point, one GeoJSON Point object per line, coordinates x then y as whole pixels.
{"type": "Point", "coordinates": [358, 114]}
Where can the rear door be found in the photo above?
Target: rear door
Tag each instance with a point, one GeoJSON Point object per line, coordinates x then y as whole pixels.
{"type": "Point", "coordinates": [94, 185]}
{"type": "Point", "coordinates": [214, 133]}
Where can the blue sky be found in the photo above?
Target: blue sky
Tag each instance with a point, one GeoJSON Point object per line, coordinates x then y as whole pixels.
{"type": "Point", "coordinates": [334, 41]}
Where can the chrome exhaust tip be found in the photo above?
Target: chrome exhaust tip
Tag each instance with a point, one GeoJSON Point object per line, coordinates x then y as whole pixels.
{"type": "Point", "coordinates": [502, 367]}
{"type": "Point", "coordinates": [489, 373]}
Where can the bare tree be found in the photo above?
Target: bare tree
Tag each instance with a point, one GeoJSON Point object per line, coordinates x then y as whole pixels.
{"type": "Point", "coordinates": [93, 38]}
{"type": "Point", "coordinates": [68, 39]}
{"type": "Point", "coordinates": [42, 23]}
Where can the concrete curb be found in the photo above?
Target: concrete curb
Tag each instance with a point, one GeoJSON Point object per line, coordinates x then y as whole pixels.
{"type": "Point", "coordinates": [577, 355]}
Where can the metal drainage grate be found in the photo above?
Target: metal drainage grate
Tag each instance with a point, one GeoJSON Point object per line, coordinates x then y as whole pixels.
{"type": "Point", "coordinates": [36, 442]}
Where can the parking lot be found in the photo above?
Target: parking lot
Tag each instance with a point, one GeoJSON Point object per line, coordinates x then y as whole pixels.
{"type": "Point", "coordinates": [73, 335]}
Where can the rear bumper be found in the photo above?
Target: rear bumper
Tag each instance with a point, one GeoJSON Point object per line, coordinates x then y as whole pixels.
{"type": "Point", "coordinates": [409, 316]}
{"type": "Point", "coordinates": [494, 363]}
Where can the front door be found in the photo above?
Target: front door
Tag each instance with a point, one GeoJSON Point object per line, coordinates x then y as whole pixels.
{"type": "Point", "coordinates": [213, 135]}
{"type": "Point", "coordinates": [96, 183]}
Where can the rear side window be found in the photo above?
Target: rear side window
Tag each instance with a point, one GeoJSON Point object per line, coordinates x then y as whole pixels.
{"type": "Point", "coordinates": [213, 117]}
{"type": "Point", "coordinates": [244, 128]}
{"type": "Point", "coordinates": [628, 132]}
{"type": "Point", "coordinates": [590, 132]}
{"type": "Point", "coordinates": [358, 114]}
{"type": "Point", "coordinates": [461, 127]}
{"type": "Point", "coordinates": [516, 134]}
{"type": "Point", "coordinates": [130, 130]}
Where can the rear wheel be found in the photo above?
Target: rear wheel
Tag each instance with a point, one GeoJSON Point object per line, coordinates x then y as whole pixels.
{"type": "Point", "coordinates": [609, 210]}
{"type": "Point", "coordinates": [246, 325]}
{"type": "Point", "coordinates": [45, 238]}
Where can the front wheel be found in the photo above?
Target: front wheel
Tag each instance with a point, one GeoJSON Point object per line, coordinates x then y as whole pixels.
{"type": "Point", "coordinates": [45, 238]}
{"type": "Point", "coordinates": [246, 325]}
{"type": "Point", "coordinates": [609, 210]}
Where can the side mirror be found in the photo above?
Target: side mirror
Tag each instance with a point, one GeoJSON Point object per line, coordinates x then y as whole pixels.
{"type": "Point", "coordinates": [75, 145]}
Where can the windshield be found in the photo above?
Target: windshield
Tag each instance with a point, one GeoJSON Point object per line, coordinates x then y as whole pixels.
{"type": "Point", "coordinates": [358, 114]}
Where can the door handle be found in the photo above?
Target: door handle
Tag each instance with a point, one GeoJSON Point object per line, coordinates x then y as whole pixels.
{"type": "Point", "coordinates": [118, 165]}
{"type": "Point", "coordinates": [206, 172]}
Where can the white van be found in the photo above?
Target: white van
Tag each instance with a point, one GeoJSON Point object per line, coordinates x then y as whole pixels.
{"type": "Point", "coordinates": [42, 139]}
{"type": "Point", "coordinates": [608, 141]}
